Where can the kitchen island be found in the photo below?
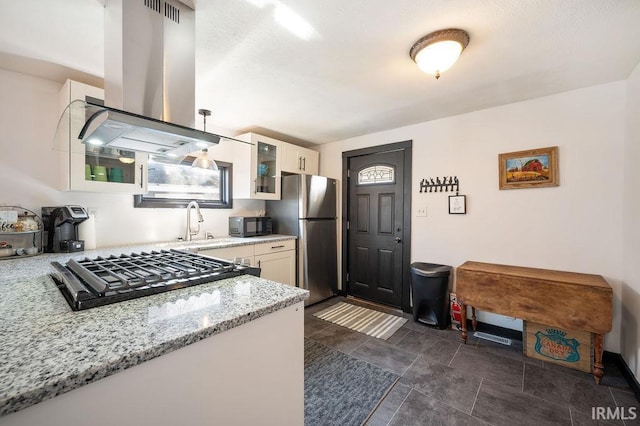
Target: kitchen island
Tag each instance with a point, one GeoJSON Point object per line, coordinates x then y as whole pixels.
{"type": "Point", "coordinates": [225, 352]}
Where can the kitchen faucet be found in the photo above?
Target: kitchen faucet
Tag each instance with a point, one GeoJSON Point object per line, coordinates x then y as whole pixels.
{"type": "Point", "coordinates": [190, 233]}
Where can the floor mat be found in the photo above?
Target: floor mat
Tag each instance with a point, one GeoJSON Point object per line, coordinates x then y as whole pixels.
{"type": "Point", "coordinates": [340, 389]}
{"type": "Point", "coordinates": [364, 320]}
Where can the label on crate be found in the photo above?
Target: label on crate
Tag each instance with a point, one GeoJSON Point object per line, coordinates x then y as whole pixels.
{"type": "Point", "coordinates": [554, 344]}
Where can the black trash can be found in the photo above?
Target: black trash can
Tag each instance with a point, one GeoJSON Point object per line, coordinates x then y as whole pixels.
{"type": "Point", "coordinates": [430, 293]}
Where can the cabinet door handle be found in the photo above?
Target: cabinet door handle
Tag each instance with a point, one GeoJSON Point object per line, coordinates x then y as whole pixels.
{"type": "Point", "coordinates": [275, 247]}
{"type": "Point", "coordinates": [259, 263]}
{"type": "Point", "coordinates": [255, 186]}
{"type": "Point", "coordinates": [141, 176]}
{"type": "Point", "coordinates": [299, 163]}
{"type": "Point", "coordinates": [304, 163]}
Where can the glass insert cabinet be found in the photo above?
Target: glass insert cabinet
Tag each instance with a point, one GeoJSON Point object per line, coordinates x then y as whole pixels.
{"type": "Point", "coordinates": [86, 167]}
{"type": "Point", "coordinates": [259, 178]}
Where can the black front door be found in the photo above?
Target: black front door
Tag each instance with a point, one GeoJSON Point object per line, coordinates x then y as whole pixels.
{"type": "Point", "coordinates": [376, 203]}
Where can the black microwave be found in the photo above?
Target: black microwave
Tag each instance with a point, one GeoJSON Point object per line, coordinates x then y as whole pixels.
{"type": "Point", "coordinates": [250, 226]}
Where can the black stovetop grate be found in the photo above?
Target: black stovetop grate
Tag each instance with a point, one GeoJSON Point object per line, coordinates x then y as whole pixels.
{"type": "Point", "coordinates": [89, 283]}
{"type": "Point", "coordinates": [116, 273]}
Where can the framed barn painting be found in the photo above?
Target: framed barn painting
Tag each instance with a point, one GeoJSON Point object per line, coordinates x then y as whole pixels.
{"type": "Point", "coordinates": [529, 169]}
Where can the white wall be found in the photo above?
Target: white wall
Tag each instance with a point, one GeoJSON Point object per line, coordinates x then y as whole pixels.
{"type": "Point", "coordinates": [29, 171]}
{"type": "Point", "coordinates": [630, 331]}
{"type": "Point", "coordinates": [575, 227]}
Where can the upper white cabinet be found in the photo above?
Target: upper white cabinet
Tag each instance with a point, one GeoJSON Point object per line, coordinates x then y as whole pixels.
{"type": "Point", "coordinates": [85, 167]}
{"type": "Point", "coordinates": [297, 159]}
{"type": "Point", "coordinates": [257, 167]}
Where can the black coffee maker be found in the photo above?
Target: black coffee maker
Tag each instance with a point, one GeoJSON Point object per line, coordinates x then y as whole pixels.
{"type": "Point", "coordinates": [61, 228]}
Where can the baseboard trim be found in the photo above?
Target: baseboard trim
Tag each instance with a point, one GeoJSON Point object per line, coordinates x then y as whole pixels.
{"type": "Point", "coordinates": [626, 371]}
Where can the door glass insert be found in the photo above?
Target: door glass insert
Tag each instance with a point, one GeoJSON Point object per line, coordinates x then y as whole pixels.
{"type": "Point", "coordinates": [266, 168]}
{"type": "Point", "coordinates": [376, 174]}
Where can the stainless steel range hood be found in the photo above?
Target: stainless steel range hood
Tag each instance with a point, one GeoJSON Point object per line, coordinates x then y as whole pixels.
{"type": "Point", "coordinates": [115, 128]}
{"type": "Point", "coordinates": [149, 81]}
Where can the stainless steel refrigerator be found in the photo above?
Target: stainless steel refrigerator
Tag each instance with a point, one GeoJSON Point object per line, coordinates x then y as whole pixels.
{"type": "Point", "coordinates": [308, 211]}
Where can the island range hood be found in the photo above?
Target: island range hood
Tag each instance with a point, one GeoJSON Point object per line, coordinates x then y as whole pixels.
{"type": "Point", "coordinates": [114, 128]}
{"type": "Point", "coordinates": [149, 81]}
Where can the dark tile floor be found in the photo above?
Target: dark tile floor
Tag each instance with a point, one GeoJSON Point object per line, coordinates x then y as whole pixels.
{"type": "Point", "coordinates": [445, 382]}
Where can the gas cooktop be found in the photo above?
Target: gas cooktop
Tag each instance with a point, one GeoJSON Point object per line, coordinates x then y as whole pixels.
{"type": "Point", "coordinates": [88, 283]}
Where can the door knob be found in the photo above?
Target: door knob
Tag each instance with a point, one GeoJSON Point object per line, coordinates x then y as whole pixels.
{"type": "Point", "coordinates": [398, 240]}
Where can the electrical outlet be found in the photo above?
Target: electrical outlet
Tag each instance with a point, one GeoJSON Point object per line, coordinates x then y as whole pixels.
{"type": "Point", "coordinates": [422, 212]}
{"type": "Point", "coordinates": [93, 211]}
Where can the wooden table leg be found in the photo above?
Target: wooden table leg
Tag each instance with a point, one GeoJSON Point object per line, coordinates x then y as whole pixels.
{"type": "Point", "coordinates": [463, 322]}
{"type": "Point", "coordinates": [474, 323]}
{"type": "Point", "coordinates": [598, 367]}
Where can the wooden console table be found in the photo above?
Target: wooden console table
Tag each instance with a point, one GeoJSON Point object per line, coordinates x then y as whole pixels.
{"type": "Point", "coordinates": [573, 301]}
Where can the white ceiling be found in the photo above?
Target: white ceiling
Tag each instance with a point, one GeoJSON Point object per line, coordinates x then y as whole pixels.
{"type": "Point", "coordinates": [353, 76]}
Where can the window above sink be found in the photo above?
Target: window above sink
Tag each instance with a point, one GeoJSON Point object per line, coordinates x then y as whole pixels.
{"type": "Point", "coordinates": [173, 184]}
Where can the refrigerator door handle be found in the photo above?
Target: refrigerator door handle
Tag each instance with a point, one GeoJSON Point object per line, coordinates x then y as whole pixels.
{"type": "Point", "coordinates": [304, 196]}
{"type": "Point", "coordinates": [303, 262]}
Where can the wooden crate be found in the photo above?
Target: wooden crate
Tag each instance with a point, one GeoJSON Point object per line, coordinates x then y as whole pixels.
{"type": "Point", "coordinates": [573, 349]}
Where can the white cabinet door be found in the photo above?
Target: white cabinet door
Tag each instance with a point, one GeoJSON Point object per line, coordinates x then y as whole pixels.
{"type": "Point", "coordinates": [310, 162]}
{"type": "Point", "coordinates": [257, 168]}
{"type": "Point", "coordinates": [85, 167]}
{"type": "Point", "coordinates": [297, 159]}
{"type": "Point", "coordinates": [279, 267]}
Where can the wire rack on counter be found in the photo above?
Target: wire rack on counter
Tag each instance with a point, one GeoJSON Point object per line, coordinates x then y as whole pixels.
{"type": "Point", "coordinates": [20, 232]}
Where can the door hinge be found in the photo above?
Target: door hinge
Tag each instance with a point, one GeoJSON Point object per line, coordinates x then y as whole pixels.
{"type": "Point", "coordinates": [347, 225]}
{"type": "Point", "coordinates": [348, 173]}
{"type": "Point", "coordinates": [347, 277]}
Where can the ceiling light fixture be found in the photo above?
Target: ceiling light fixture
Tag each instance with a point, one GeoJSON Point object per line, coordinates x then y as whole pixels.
{"type": "Point", "coordinates": [202, 160]}
{"type": "Point", "coordinates": [438, 51]}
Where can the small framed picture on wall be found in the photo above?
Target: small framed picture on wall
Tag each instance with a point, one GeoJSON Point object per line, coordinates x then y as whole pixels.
{"type": "Point", "coordinates": [457, 204]}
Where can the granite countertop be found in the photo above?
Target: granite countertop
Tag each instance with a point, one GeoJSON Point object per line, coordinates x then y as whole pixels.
{"type": "Point", "coordinates": [223, 242]}
{"type": "Point", "coordinates": [47, 349]}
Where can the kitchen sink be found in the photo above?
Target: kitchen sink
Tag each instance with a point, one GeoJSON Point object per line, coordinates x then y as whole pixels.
{"type": "Point", "coordinates": [196, 245]}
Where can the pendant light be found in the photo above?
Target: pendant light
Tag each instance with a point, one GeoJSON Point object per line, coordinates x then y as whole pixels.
{"type": "Point", "coordinates": [203, 161]}
{"type": "Point", "coordinates": [438, 51]}
{"type": "Point", "coordinates": [126, 157]}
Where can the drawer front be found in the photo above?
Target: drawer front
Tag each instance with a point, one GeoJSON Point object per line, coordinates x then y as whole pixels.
{"type": "Point", "coordinates": [274, 247]}
{"type": "Point", "coordinates": [229, 253]}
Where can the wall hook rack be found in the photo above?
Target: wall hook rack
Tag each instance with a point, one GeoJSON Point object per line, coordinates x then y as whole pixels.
{"type": "Point", "coordinates": [446, 184]}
